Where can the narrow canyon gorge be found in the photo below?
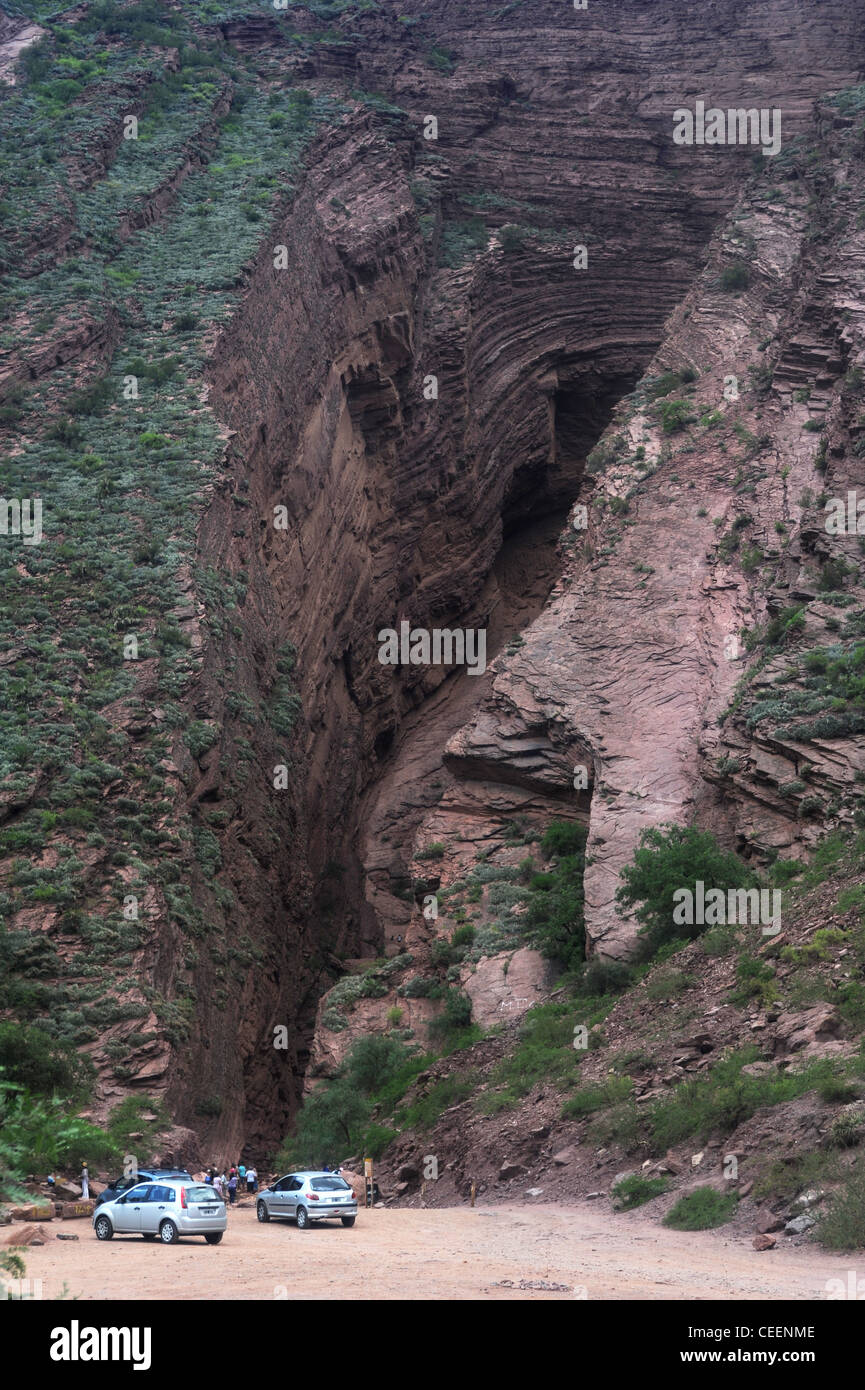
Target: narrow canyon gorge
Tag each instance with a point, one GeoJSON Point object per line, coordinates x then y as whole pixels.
{"type": "Point", "coordinates": [429, 388]}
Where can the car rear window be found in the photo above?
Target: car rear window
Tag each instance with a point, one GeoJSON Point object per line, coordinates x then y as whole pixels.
{"type": "Point", "coordinates": [329, 1185]}
{"type": "Point", "coordinates": [202, 1195]}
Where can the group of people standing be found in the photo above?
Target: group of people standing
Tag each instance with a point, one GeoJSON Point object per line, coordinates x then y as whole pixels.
{"type": "Point", "coordinates": [238, 1179]}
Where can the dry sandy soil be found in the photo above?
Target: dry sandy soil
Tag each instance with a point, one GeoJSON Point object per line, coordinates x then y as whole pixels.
{"type": "Point", "coordinates": [448, 1254]}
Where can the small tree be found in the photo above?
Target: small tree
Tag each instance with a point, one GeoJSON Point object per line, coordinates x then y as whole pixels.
{"type": "Point", "coordinates": [669, 858]}
{"type": "Point", "coordinates": [456, 1016]}
{"type": "Point", "coordinates": [374, 1060]}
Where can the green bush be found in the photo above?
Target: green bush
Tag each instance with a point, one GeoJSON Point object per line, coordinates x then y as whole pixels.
{"type": "Point", "coordinates": [456, 1015]}
{"type": "Point", "coordinates": [701, 1209]}
{"type": "Point", "coordinates": [464, 935]}
{"type": "Point", "coordinates": [636, 1190]}
{"type": "Point", "coordinates": [141, 1116]}
{"type": "Point", "coordinates": [755, 979]}
{"type": "Point", "coordinates": [545, 1055]}
{"type": "Point", "coordinates": [377, 1139]}
{"type": "Point", "coordinates": [418, 987]}
{"type": "Point", "coordinates": [836, 1091]}
{"type": "Point", "coordinates": [460, 240]}
{"type": "Point", "coordinates": [668, 984]}
{"type": "Point", "coordinates": [735, 276]}
{"type": "Point", "coordinates": [441, 59]}
{"type": "Point", "coordinates": [843, 1226]}
{"type": "Point", "coordinates": [555, 905]}
{"type": "Point", "coordinates": [718, 1101]}
{"type": "Point", "coordinates": [563, 837]}
{"type": "Point", "coordinates": [607, 977]}
{"type": "Point", "coordinates": [423, 1114]}
{"type": "Point", "coordinates": [200, 737]}
{"type": "Point", "coordinates": [512, 236]}
{"type": "Point", "coordinates": [92, 399]}
{"type": "Point", "coordinates": [597, 1097]}
{"type": "Point", "coordinates": [670, 858]}
{"type": "Point", "coordinates": [209, 1106]}
{"type": "Point", "coordinates": [31, 1058]}
{"type": "Point", "coordinates": [784, 1178]}
{"type": "Point", "coordinates": [674, 415]}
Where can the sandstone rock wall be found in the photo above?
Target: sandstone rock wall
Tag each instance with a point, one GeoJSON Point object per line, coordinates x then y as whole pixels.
{"type": "Point", "coordinates": [398, 505]}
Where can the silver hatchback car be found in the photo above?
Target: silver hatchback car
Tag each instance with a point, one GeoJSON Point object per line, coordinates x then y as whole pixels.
{"type": "Point", "coordinates": [307, 1197]}
{"type": "Point", "coordinates": [164, 1211]}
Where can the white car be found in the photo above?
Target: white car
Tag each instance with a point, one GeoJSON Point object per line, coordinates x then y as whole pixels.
{"type": "Point", "coordinates": [308, 1197]}
{"type": "Point", "coordinates": [163, 1211]}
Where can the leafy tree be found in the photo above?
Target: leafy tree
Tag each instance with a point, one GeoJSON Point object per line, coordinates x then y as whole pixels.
{"type": "Point", "coordinates": [669, 858]}
{"type": "Point", "coordinates": [335, 1119]}
{"type": "Point", "coordinates": [457, 1015]}
{"type": "Point", "coordinates": [31, 1058]}
{"type": "Point", "coordinates": [37, 1134]}
{"type": "Point", "coordinates": [374, 1061]}
{"type": "Point", "coordinates": [555, 915]}
{"type": "Point", "coordinates": [331, 1123]}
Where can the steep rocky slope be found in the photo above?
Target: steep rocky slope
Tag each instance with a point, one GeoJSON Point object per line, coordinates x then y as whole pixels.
{"type": "Point", "coordinates": [304, 260]}
{"type": "Point", "coordinates": [737, 1066]}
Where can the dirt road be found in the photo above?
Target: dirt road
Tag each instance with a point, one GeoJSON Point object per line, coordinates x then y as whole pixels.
{"type": "Point", "coordinates": [443, 1254]}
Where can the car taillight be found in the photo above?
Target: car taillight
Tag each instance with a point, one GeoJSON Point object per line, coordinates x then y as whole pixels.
{"type": "Point", "coordinates": [183, 1197]}
{"type": "Point", "coordinates": [313, 1196]}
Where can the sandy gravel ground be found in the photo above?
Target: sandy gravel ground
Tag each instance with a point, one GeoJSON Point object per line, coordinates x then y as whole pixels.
{"type": "Point", "coordinates": [455, 1253]}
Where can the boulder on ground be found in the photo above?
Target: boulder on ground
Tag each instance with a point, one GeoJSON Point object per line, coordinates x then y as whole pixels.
{"type": "Point", "coordinates": [25, 1235]}
{"type": "Point", "coordinates": [764, 1242]}
{"type": "Point", "coordinates": [69, 1211]}
{"type": "Point", "coordinates": [355, 1182]}
{"type": "Point", "coordinates": [768, 1221]}
{"type": "Point", "coordinates": [511, 1170]}
{"type": "Point", "coordinates": [67, 1192]}
{"type": "Point", "coordinates": [32, 1213]}
{"type": "Point", "coordinates": [799, 1225]}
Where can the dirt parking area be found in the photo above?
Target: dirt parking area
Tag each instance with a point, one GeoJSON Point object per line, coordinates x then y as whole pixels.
{"type": "Point", "coordinates": [455, 1253]}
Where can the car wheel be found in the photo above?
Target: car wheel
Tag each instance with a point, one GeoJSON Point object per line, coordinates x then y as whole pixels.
{"type": "Point", "coordinates": [261, 1211]}
{"type": "Point", "coordinates": [103, 1228]}
{"type": "Point", "coordinates": [168, 1233]}
{"type": "Point", "coordinates": [213, 1237]}
{"type": "Point", "coordinates": [302, 1219]}
{"type": "Point", "coordinates": [150, 1236]}
{"type": "Point", "coordinates": [348, 1220]}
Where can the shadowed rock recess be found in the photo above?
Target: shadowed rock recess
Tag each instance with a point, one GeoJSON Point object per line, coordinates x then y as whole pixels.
{"type": "Point", "coordinates": [306, 260]}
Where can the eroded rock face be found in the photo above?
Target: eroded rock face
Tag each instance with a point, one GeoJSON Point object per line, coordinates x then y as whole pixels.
{"type": "Point", "coordinates": [444, 509]}
{"type": "Point", "coordinates": [643, 644]}
{"type": "Point", "coordinates": [398, 505]}
{"type": "Point", "coordinates": [16, 35]}
{"type": "Point", "coordinates": [506, 986]}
